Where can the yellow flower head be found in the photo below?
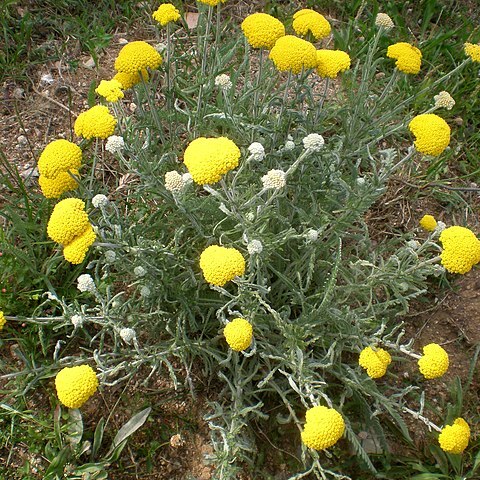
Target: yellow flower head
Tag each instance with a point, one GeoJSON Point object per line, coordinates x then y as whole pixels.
{"type": "Point", "coordinates": [375, 362]}
{"type": "Point", "coordinates": [165, 14]}
{"type": "Point", "coordinates": [331, 62]}
{"type": "Point", "coordinates": [428, 223]}
{"type": "Point", "coordinates": [291, 53]}
{"type": "Point", "coordinates": [220, 264]}
{"type": "Point", "coordinates": [307, 20]}
{"type": "Point", "coordinates": [262, 30]}
{"type": "Point", "coordinates": [323, 428]}
{"type": "Point", "coordinates": [137, 56]}
{"type": "Point", "coordinates": [409, 58]}
{"type": "Point", "coordinates": [3, 320]}
{"type": "Point", "coordinates": [129, 80]}
{"type": "Point", "coordinates": [238, 334]}
{"type": "Point", "coordinates": [111, 90]}
{"type": "Point", "coordinates": [212, 3]}
{"type": "Point", "coordinates": [59, 156]}
{"type": "Point", "coordinates": [96, 122]}
{"type": "Point", "coordinates": [434, 362]}
{"type": "Point", "coordinates": [208, 159]}
{"type": "Point", "coordinates": [432, 133]}
{"type": "Point", "coordinates": [55, 187]}
{"type": "Point", "coordinates": [461, 249]}
{"type": "Point", "coordinates": [69, 226]}
{"type": "Point", "coordinates": [75, 385]}
{"type": "Point", "coordinates": [454, 438]}
{"type": "Point", "coordinates": [473, 51]}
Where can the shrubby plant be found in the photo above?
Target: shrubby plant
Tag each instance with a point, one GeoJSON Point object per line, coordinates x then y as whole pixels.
{"type": "Point", "coordinates": [231, 233]}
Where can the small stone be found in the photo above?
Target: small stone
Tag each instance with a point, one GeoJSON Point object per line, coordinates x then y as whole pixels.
{"type": "Point", "coordinates": [122, 41]}
{"type": "Point", "coordinates": [177, 441]}
{"type": "Point", "coordinates": [90, 63]}
{"type": "Point", "coordinates": [19, 93]}
{"type": "Point", "coordinates": [22, 140]}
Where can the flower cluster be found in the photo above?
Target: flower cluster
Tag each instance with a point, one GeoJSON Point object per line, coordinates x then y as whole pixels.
{"type": "Point", "coordinates": [69, 226]}
{"type": "Point", "coordinates": [313, 142]}
{"type": "Point", "coordinates": [212, 3]}
{"type": "Point", "coordinates": [262, 30]}
{"type": "Point", "coordinates": [208, 159]}
{"type": "Point", "coordinates": [257, 152]}
{"type": "Point", "coordinates": [96, 122]}
{"type": "Point", "coordinates": [454, 438]}
{"type": "Point", "coordinates": [428, 223]}
{"type": "Point", "coordinates": [238, 333]}
{"type": "Point", "coordinates": [323, 428]}
{"type": "Point", "coordinates": [473, 51]}
{"type": "Point", "coordinates": [136, 57]}
{"type": "Point", "coordinates": [408, 57]}
{"type": "Point", "coordinates": [375, 362]}
{"type": "Point", "coordinates": [293, 54]}
{"type": "Point", "coordinates": [114, 144]}
{"type": "Point", "coordinates": [220, 264]}
{"type": "Point", "coordinates": [165, 14]}
{"type": "Point", "coordinates": [274, 179]}
{"type": "Point", "coordinates": [174, 182]}
{"type": "Point", "coordinates": [332, 62]}
{"type": "Point", "coordinates": [75, 385]}
{"type": "Point", "coordinates": [56, 161]}
{"type": "Point", "coordinates": [383, 20]}
{"type": "Point", "coordinates": [432, 133]}
{"type": "Point", "coordinates": [434, 362]}
{"type": "Point", "coordinates": [223, 81]}
{"type": "Point", "coordinates": [129, 80]}
{"type": "Point", "coordinates": [461, 249]}
{"type": "Point", "coordinates": [307, 20]}
{"type": "Point", "coordinates": [3, 320]}
{"type": "Point", "coordinates": [444, 100]}
{"type": "Point", "coordinates": [111, 90]}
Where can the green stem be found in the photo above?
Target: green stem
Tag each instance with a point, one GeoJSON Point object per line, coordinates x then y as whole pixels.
{"type": "Point", "coordinates": [282, 108]}
{"type": "Point", "coordinates": [153, 109]}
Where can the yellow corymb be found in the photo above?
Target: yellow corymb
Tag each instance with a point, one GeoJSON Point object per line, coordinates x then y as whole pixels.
{"type": "Point", "coordinates": [307, 20]}
{"type": "Point", "coordinates": [434, 362]}
{"type": "Point", "coordinates": [375, 362]}
{"type": "Point", "coordinates": [473, 51]}
{"type": "Point", "coordinates": [75, 385]}
{"type": "Point", "coordinates": [262, 30]}
{"type": "Point", "coordinates": [110, 90]}
{"type": "Point", "coordinates": [69, 226]}
{"type": "Point", "coordinates": [165, 14]}
{"type": "Point", "coordinates": [293, 54]}
{"type": "Point", "coordinates": [461, 249]}
{"type": "Point", "coordinates": [137, 56]}
{"type": "Point", "coordinates": [208, 159]}
{"type": "Point", "coordinates": [408, 57]}
{"type": "Point", "coordinates": [332, 62]}
{"type": "Point", "coordinates": [454, 438]}
{"type": "Point", "coordinates": [323, 428]}
{"type": "Point", "coordinates": [432, 133]}
{"type": "Point", "coordinates": [238, 334]}
{"type": "Point", "coordinates": [428, 223]}
{"type": "Point", "coordinates": [221, 264]}
{"type": "Point", "coordinates": [129, 80]}
{"type": "Point", "coordinates": [96, 122]}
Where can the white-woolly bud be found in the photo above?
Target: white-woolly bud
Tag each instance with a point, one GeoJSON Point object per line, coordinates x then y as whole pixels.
{"type": "Point", "coordinates": [254, 246]}
{"type": "Point", "coordinates": [257, 151]}
{"type": "Point", "coordinates": [145, 291]}
{"type": "Point", "coordinates": [85, 283]}
{"type": "Point", "coordinates": [174, 182]}
{"type": "Point", "coordinates": [110, 256]}
{"type": "Point", "coordinates": [275, 179]}
{"type": "Point", "coordinates": [313, 142]}
{"type": "Point", "coordinates": [289, 145]}
{"type": "Point", "coordinates": [383, 20]}
{"type": "Point", "coordinates": [77, 320]}
{"type": "Point", "coordinates": [115, 144]}
{"type": "Point", "coordinates": [360, 181]}
{"type": "Point", "coordinates": [311, 235]}
{"type": "Point", "coordinates": [127, 335]}
{"type": "Point", "coordinates": [223, 81]}
{"type": "Point", "coordinates": [413, 244]}
{"type": "Point", "coordinates": [444, 100]}
{"type": "Point", "coordinates": [100, 200]}
{"type": "Point", "coordinates": [139, 271]}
